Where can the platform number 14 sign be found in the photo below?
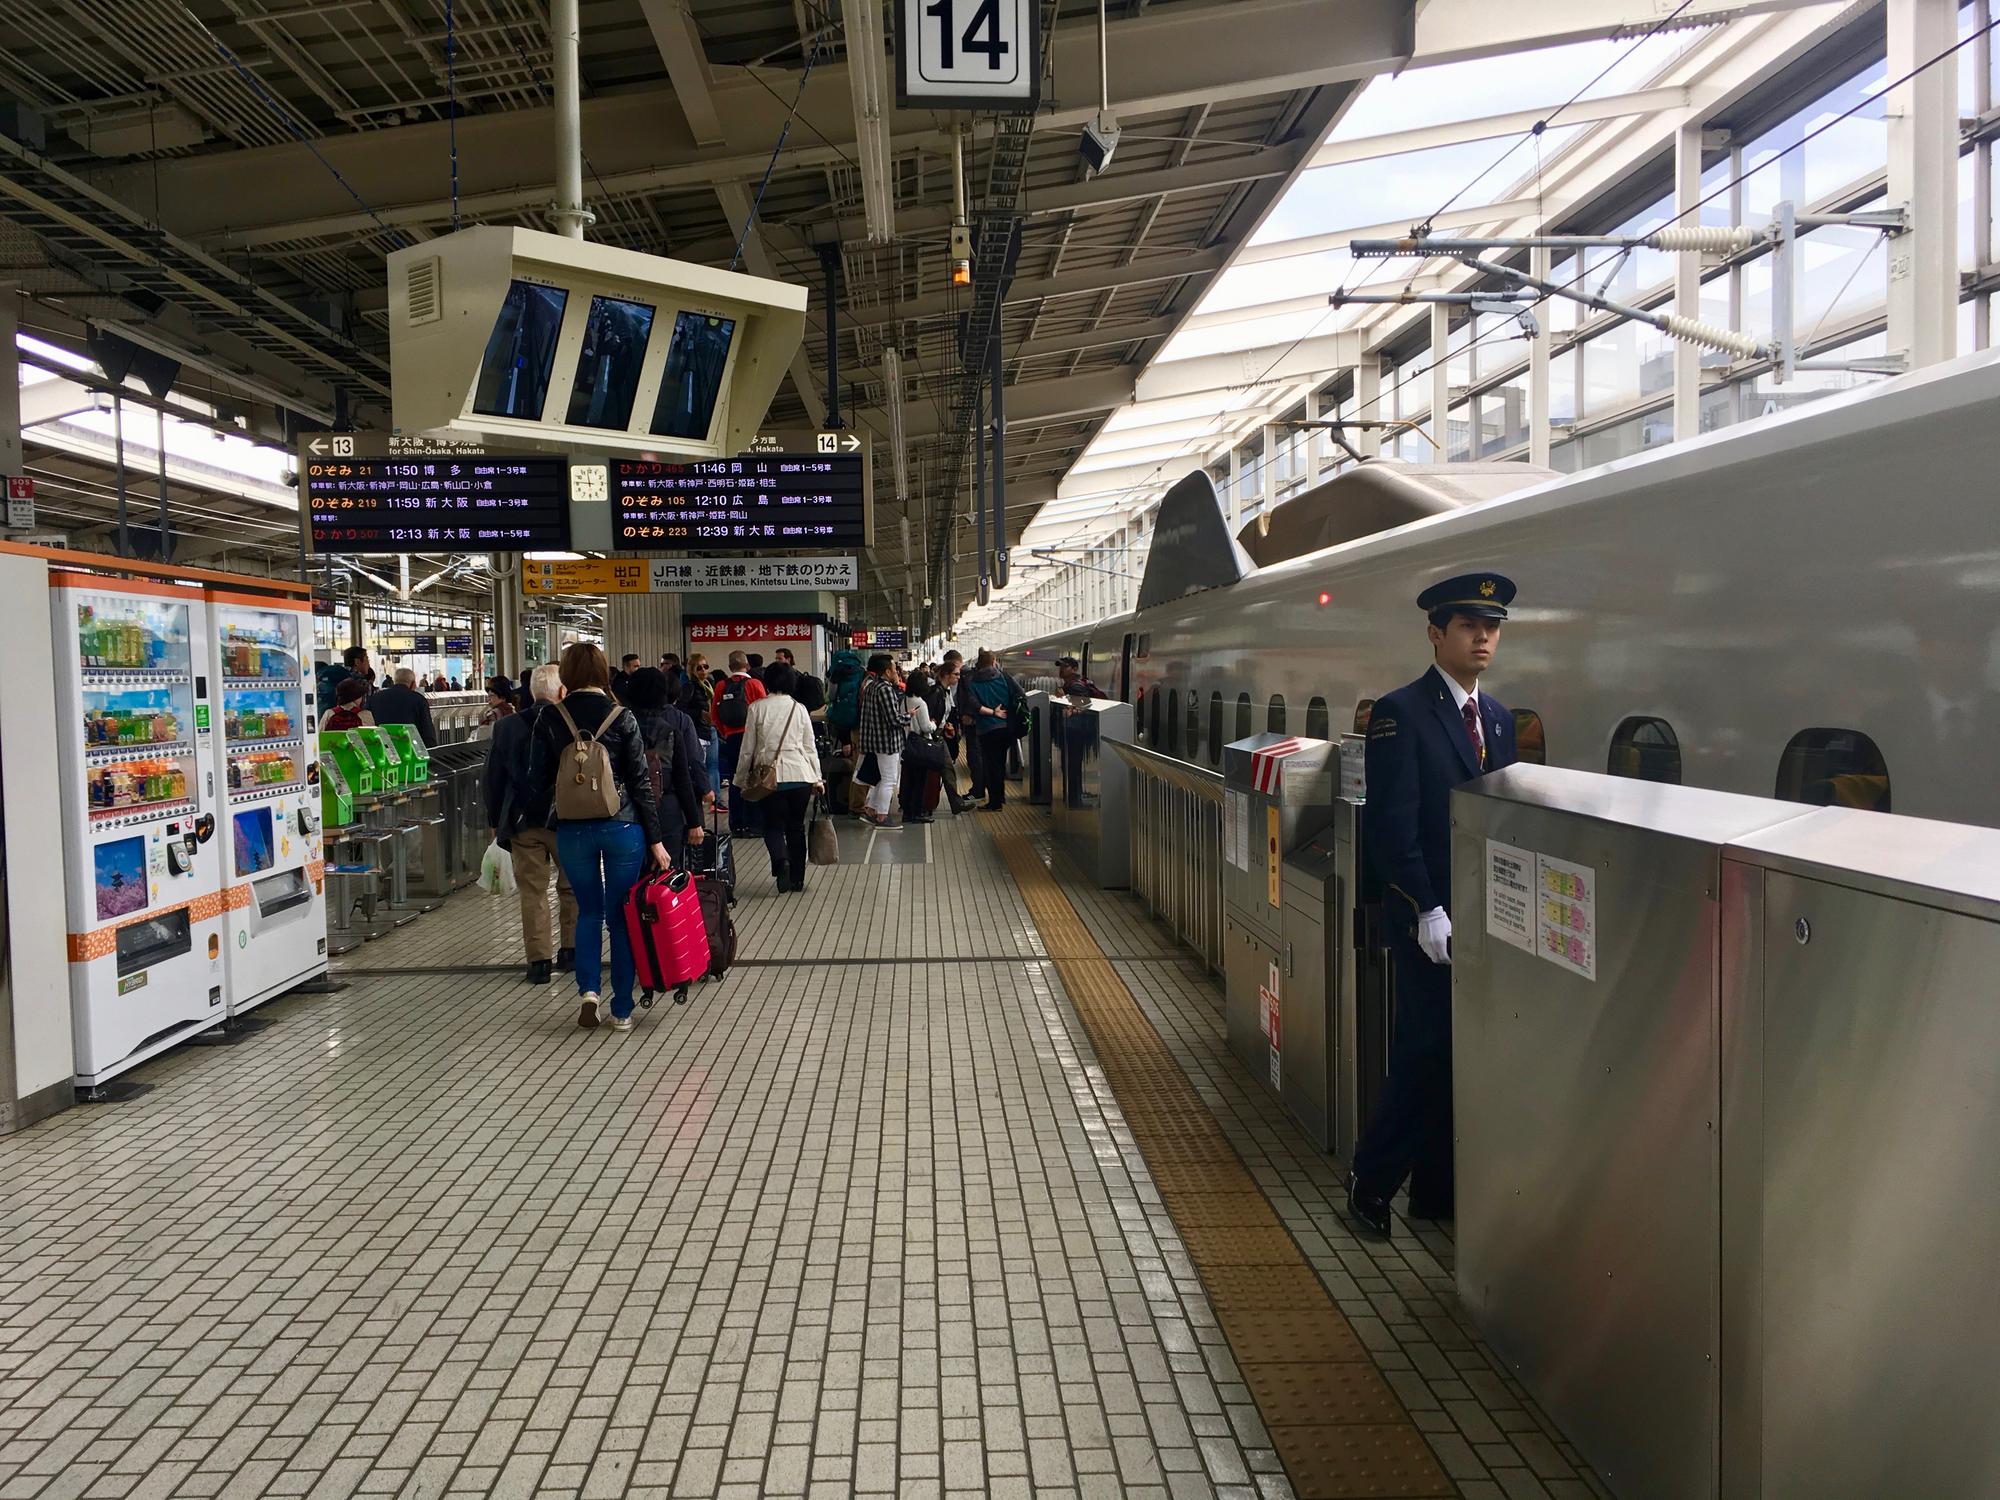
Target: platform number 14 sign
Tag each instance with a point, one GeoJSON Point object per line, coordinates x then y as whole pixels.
{"type": "Point", "coordinates": [968, 54]}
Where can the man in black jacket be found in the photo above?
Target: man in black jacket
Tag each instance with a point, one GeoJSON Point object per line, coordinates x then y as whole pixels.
{"type": "Point", "coordinates": [807, 689]}
{"type": "Point", "coordinates": [403, 704]}
{"type": "Point", "coordinates": [520, 820]}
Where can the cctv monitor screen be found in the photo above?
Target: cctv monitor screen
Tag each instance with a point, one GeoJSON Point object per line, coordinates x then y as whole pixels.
{"type": "Point", "coordinates": [514, 374]}
{"type": "Point", "coordinates": [607, 371]}
{"type": "Point", "coordinates": [693, 377]}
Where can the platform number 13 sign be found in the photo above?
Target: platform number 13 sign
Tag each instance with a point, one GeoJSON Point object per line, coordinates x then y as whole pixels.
{"type": "Point", "coordinates": [968, 54]}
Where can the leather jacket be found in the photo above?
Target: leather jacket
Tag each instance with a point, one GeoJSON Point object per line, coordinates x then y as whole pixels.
{"type": "Point", "coordinates": [622, 742]}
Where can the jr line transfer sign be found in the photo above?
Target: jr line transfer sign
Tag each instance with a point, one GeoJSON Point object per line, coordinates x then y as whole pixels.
{"type": "Point", "coordinates": [372, 492]}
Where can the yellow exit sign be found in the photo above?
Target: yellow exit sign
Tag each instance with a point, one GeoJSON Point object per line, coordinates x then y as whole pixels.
{"type": "Point", "coordinates": [584, 575]}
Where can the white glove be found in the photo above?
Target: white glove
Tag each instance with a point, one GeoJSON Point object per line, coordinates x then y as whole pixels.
{"type": "Point", "coordinates": [1434, 935]}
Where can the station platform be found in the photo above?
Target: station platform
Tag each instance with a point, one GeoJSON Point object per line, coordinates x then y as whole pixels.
{"type": "Point", "coordinates": [952, 1187]}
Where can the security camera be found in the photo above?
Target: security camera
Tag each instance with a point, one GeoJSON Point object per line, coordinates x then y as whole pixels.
{"type": "Point", "coordinates": [289, 475]}
{"type": "Point", "coordinates": [1100, 139]}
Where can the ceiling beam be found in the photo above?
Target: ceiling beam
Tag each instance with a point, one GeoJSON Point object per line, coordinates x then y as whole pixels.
{"type": "Point", "coordinates": [1067, 283]}
{"type": "Point", "coordinates": [736, 205]}
{"type": "Point", "coordinates": [640, 140]}
{"type": "Point", "coordinates": [1495, 127]}
{"type": "Point", "coordinates": [687, 66]}
{"type": "Point", "coordinates": [1456, 30]}
{"type": "Point", "coordinates": [1039, 402]}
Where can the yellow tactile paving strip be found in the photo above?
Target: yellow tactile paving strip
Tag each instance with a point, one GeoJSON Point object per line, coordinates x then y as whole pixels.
{"type": "Point", "coordinates": [1336, 1424]}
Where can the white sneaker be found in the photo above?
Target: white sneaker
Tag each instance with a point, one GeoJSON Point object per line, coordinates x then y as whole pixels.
{"type": "Point", "coordinates": [592, 1012]}
{"type": "Point", "coordinates": [621, 1023]}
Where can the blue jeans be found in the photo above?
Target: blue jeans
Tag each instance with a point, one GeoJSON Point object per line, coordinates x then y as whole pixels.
{"type": "Point", "coordinates": [602, 860]}
{"type": "Point", "coordinates": [713, 746]}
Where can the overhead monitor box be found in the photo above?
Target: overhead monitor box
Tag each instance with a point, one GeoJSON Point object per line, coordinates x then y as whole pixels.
{"type": "Point", "coordinates": [512, 334]}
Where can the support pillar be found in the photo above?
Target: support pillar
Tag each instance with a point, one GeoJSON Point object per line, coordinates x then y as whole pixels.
{"type": "Point", "coordinates": [1687, 283]}
{"type": "Point", "coordinates": [1368, 404]}
{"type": "Point", "coordinates": [1441, 380]}
{"type": "Point", "coordinates": [1315, 439]}
{"type": "Point", "coordinates": [1923, 178]}
{"type": "Point", "coordinates": [12, 459]}
{"type": "Point", "coordinates": [1235, 489]}
{"type": "Point", "coordinates": [646, 623]}
{"type": "Point", "coordinates": [1538, 372]}
{"type": "Point", "coordinates": [509, 647]}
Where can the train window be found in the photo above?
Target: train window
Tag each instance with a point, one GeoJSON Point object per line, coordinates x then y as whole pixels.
{"type": "Point", "coordinates": [1174, 722]}
{"type": "Point", "coordinates": [1153, 716]}
{"type": "Point", "coordinates": [1243, 716]}
{"type": "Point", "coordinates": [1145, 646]}
{"type": "Point", "coordinates": [1274, 714]}
{"type": "Point", "coordinates": [1193, 725]}
{"type": "Point", "coordinates": [1531, 748]}
{"type": "Point", "coordinates": [1646, 750]}
{"type": "Point", "coordinates": [1834, 768]}
{"type": "Point", "coordinates": [1215, 729]}
{"type": "Point", "coordinates": [1316, 725]}
{"type": "Point", "coordinates": [1362, 710]}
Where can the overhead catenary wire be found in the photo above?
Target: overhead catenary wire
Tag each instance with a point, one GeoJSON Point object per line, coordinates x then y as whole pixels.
{"type": "Point", "coordinates": [777, 149]}
{"type": "Point", "coordinates": [1534, 133]}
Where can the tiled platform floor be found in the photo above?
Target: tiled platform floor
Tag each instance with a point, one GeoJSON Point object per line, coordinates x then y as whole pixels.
{"type": "Point", "coordinates": [862, 1220]}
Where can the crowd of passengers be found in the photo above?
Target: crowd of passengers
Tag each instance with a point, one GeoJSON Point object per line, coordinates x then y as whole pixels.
{"type": "Point", "coordinates": [873, 740]}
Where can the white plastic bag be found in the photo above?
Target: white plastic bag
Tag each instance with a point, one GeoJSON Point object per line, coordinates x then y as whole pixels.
{"type": "Point", "coordinates": [496, 871]}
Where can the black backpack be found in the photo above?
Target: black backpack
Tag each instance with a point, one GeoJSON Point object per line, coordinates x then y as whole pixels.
{"type": "Point", "coordinates": [732, 704]}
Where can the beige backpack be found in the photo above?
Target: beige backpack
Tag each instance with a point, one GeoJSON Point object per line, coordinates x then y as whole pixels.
{"type": "Point", "coordinates": [585, 787]}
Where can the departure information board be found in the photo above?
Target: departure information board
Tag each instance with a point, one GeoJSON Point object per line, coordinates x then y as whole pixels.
{"type": "Point", "coordinates": [371, 492]}
{"type": "Point", "coordinates": [755, 501]}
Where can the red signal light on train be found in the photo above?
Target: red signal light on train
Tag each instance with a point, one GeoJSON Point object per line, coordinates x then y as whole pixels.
{"type": "Point", "coordinates": [1324, 598]}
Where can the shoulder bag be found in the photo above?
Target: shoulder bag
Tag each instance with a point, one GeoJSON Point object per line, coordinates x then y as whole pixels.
{"type": "Point", "coordinates": [763, 777]}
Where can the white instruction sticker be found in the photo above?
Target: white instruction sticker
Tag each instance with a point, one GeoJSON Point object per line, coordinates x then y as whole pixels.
{"type": "Point", "coordinates": [1510, 894]}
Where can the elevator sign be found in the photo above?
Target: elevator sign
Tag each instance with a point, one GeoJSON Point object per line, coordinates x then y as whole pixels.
{"type": "Point", "coordinates": [968, 54]}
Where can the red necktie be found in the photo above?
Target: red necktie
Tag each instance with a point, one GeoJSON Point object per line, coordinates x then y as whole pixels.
{"type": "Point", "coordinates": [1471, 712]}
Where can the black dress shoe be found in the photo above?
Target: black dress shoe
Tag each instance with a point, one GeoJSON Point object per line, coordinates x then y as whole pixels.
{"type": "Point", "coordinates": [565, 960]}
{"type": "Point", "coordinates": [538, 971]}
{"type": "Point", "coordinates": [1369, 1210]}
{"type": "Point", "coordinates": [918, 818]}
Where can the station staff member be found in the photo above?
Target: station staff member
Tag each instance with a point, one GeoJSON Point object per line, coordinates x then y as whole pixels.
{"type": "Point", "coordinates": [1423, 740]}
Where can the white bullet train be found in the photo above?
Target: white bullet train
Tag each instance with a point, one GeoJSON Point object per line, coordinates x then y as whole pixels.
{"type": "Point", "coordinates": [1806, 606]}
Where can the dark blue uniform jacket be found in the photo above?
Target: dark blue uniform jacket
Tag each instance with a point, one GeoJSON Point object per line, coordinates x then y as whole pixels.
{"type": "Point", "coordinates": [1417, 752]}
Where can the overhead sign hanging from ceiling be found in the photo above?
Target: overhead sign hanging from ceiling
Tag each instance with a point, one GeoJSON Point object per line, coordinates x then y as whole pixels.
{"type": "Point", "coordinates": [968, 54]}
{"type": "Point", "coordinates": [371, 492]}
{"type": "Point", "coordinates": [672, 575]}
{"type": "Point", "coordinates": [789, 490]}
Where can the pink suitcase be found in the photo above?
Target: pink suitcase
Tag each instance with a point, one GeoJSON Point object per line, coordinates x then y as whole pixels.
{"type": "Point", "coordinates": [669, 938]}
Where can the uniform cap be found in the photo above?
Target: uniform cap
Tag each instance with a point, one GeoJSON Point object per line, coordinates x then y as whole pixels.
{"type": "Point", "coordinates": [1485, 595]}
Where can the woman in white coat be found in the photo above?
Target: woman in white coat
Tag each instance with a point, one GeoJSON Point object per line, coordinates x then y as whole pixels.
{"type": "Point", "coordinates": [780, 731]}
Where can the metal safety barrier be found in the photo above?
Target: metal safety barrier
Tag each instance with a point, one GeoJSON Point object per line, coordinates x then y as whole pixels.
{"type": "Point", "coordinates": [1176, 834]}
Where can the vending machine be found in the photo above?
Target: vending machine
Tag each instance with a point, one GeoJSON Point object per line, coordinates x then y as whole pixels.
{"type": "Point", "coordinates": [267, 778]}
{"type": "Point", "coordinates": [142, 860]}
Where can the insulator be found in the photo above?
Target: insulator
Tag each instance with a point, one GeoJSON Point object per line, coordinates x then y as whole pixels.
{"type": "Point", "coordinates": [1709, 336]}
{"type": "Point", "coordinates": [1723, 239]}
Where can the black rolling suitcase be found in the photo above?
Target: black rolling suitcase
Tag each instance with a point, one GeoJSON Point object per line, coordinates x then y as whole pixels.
{"type": "Point", "coordinates": [715, 855]}
{"type": "Point", "coordinates": [716, 898]}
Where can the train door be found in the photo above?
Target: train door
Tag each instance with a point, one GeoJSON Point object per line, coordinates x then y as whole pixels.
{"type": "Point", "coordinates": [1125, 668]}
